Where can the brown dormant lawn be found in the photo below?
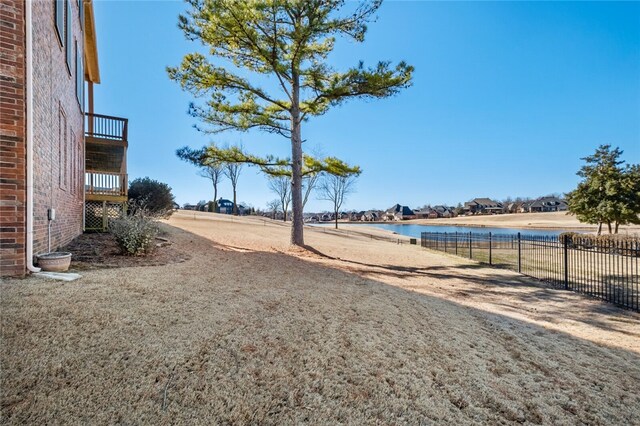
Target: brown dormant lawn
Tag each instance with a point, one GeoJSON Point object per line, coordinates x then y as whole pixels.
{"type": "Point", "coordinates": [354, 331]}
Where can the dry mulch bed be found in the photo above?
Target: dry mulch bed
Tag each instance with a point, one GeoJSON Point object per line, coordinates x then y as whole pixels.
{"type": "Point", "coordinates": [100, 251]}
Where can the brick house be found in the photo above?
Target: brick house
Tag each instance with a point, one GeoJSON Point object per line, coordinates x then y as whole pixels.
{"type": "Point", "coordinates": [50, 147]}
{"type": "Point", "coordinates": [547, 204]}
{"type": "Point", "coordinates": [398, 212]}
{"type": "Point", "coordinates": [483, 206]}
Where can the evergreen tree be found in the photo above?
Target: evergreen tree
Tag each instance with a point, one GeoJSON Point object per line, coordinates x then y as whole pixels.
{"type": "Point", "coordinates": [283, 44]}
{"type": "Point", "coordinates": [155, 197]}
{"type": "Point", "coordinates": [609, 193]}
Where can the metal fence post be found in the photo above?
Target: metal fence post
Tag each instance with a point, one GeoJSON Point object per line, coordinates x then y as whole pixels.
{"type": "Point", "coordinates": [490, 260]}
{"type": "Point", "coordinates": [566, 262]}
{"type": "Point", "coordinates": [470, 254]}
{"type": "Point", "coordinates": [519, 255]}
{"type": "Point", "coordinates": [456, 242]}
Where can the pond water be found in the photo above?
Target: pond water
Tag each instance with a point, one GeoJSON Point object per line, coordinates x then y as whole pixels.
{"type": "Point", "coordinates": [415, 231]}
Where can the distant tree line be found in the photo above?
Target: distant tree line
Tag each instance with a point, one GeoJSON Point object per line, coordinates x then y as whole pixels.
{"type": "Point", "coordinates": [335, 177]}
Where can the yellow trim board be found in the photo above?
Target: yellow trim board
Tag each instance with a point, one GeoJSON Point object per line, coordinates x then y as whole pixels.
{"type": "Point", "coordinates": [100, 197]}
{"type": "Point", "coordinates": [91, 69]}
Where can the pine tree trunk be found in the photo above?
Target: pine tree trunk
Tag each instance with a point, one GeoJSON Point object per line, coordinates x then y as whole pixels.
{"type": "Point", "coordinates": [215, 198]}
{"type": "Point", "coordinates": [616, 228]}
{"type": "Point", "coordinates": [609, 226]}
{"type": "Point", "coordinates": [297, 226]}
{"type": "Point", "coordinates": [599, 228]}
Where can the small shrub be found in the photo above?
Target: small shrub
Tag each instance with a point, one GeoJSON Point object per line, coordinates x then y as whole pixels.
{"type": "Point", "coordinates": [602, 239]}
{"type": "Point", "coordinates": [135, 234]}
{"type": "Point", "coordinates": [628, 245]}
{"type": "Point", "coordinates": [568, 236]}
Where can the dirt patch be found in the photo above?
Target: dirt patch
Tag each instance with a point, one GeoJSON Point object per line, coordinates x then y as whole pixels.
{"type": "Point", "coordinates": [100, 251]}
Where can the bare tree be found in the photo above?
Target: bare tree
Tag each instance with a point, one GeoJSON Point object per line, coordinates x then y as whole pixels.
{"type": "Point", "coordinates": [273, 206]}
{"type": "Point", "coordinates": [281, 185]}
{"type": "Point", "coordinates": [335, 188]}
{"type": "Point", "coordinates": [309, 183]}
{"type": "Point", "coordinates": [310, 180]}
{"type": "Point", "coordinates": [214, 173]}
{"type": "Point", "coordinates": [232, 171]}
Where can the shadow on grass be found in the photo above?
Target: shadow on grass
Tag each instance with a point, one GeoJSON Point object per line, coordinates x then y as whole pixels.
{"type": "Point", "coordinates": [494, 284]}
{"type": "Point", "coordinates": [563, 357]}
{"type": "Point", "coordinates": [544, 302]}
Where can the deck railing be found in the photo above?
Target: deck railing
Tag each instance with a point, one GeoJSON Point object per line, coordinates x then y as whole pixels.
{"type": "Point", "coordinates": [105, 183]}
{"type": "Point", "coordinates": [106, 127]}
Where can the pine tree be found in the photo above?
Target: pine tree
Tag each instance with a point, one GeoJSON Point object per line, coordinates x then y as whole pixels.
{"type": "Point", "coordinates": [609, 193]}
{"type": "Point", "coordinates": [285, 43]}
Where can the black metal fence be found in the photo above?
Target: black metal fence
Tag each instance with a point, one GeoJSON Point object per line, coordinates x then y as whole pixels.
{"type": "Point", "coordinates": [606, 269]}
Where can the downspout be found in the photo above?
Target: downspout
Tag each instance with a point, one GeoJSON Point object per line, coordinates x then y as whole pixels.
{"type": "Point", "coordinates": [29, 126]}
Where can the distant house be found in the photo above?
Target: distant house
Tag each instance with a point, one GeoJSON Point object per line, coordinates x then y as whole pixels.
{"type": "Point", "coordinates": [371, 216]}
{"type": "Point", "coordinates": [443, 211]}
{"type": "Point", "coordinates": [423, 213]}
{"type": "Point", "coordinates": [399, 212]}
{"type": "Point", "coordinates": [311, 218]}
{"type": "Point", "coordinates": [524, 207]}
{"type": "Point", "coordinates": [356, 216]}
{"type": "Point", "coordinates": [514, 207]}
{"type": "Point", "coordinates": [435, 212]}
{"type": "Point", "coordinates": [226, 207]}
{"type": "Point", "coordinates": [547, 204]}
{"type": "Point", "coordinates": [189, 207]}
{"type": "Point", "coordinates": [326, 217]}
{"type": "Point", "coordinates": [483, 206]}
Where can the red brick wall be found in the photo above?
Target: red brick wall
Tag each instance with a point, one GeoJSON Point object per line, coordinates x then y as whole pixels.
{"type": "Point", "coordinates": [12, 138]}
{"type": "Point", "coordinates": [58, 149]}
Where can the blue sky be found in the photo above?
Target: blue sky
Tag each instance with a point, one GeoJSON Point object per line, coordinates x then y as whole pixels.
{"type": "Point", "coordinates": [507, 97]}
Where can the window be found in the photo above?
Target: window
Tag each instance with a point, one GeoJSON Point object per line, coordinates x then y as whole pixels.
{"type": "Point", "coordinates": [68, 37]}
{"type": "Point", "coordinates": [79, 78]}
{"type": "Point", "coordinates": [59, 19]}
{"type": "Point", "coordinates": [74, 169]}
{"type": "Point", "coordinates": [63, 153]}
{"type": "Point", "coordinates": [80, 163]}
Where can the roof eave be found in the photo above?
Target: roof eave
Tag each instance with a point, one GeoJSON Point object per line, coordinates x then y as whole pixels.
{"type": "Point", "coordinates": [92, 71]}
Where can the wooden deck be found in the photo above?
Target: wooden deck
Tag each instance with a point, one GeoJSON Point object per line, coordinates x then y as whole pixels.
{"type": "Point", "coordinates": [105, 186]}
{"type": "Point", "coordinates": [106, 140]}
{"type": "Point", "coordinates": [106, 129]}
{"type": "Point", "coordinates": [106, 182]}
